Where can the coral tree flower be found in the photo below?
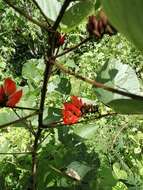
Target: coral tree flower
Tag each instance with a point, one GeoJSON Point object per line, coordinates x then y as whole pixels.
{"type": "Point", "coordinates": [72, 111]}
{"type": "Point", "coordinates": [9, 96]}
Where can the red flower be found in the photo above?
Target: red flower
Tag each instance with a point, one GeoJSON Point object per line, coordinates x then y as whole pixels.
{"type": "Point", "coordinates": [61, 40]}
{"type": "Point", "coordinates": [69, 118]}
{"type": "Point", "coordinates": [8, 94]}
{"type": "Point", "coordinates": [77, 102]}
{"type": "Point", "coordinates": [72, 111]}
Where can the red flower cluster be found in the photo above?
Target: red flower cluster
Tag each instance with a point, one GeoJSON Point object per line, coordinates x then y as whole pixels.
{"type": "Point", "coordinates": [9, 96]}
{"type": "Point", "coordinates": [72, 110]}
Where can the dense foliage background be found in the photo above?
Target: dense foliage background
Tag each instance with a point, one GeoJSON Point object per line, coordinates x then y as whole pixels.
{"type": "Point", "coordinates": [98, 154]}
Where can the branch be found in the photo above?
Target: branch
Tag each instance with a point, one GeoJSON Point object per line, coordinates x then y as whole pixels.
{"type": "Point", "coordinates": [61, 14]}
{"type": "Point", "coordinates": [47, 74]}
{"type": "Point", "coordinates": [18, 120]}
{"type": "Point", "coordinates": [60, 123]}
{"type": "Point", "coordinates": [21, 12]}
{"type": "Point", "coordinates": [74, 47]}
{"type": "Point", "coordinates": [97, 84]}
{"type": "Point", "coordinates": [41, 11]}
{"type": "Point", "coordinates": [23, 108]}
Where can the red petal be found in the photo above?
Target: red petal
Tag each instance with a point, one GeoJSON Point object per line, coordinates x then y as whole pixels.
{"type": "Point", "coordinates": [61, 40]}
{"type": "Point", "coordinates": [14, 98]}
{"type": "Point", "coordinates": [9, 86]}
{"type": "Point", "coordinates": [2, 94]}
{"type": "Point", "coordinates": [72, 108]}
{"type": "Point", "coordinates": [69, 118]}
{"type": "Point", "coordinates": [77, 102]}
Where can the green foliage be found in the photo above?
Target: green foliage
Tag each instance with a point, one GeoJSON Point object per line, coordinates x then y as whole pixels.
{"type": "Point", "coordinates": [128, 22]}
{"type": "Point", "coordinates": [100, 154]}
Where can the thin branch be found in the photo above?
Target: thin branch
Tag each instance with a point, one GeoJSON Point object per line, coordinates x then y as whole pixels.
{"type": "Point", "coordinates": [97, 84]}
{"type": "Point", "coordinates": [117, 135]}
{"type": "Point", "coordinates": [21, 12]}
{"type": "Point", "coordinates": [61, 14]}
{"type": "Point", "coordinates": [74, 47]}
{"type": "Point", "coordinates": [18, 120]}
{"type": "Point", "coordinates": [23, 108]}
{"type": "Point", "coordinates": [60, 123]}
{"type": "Point", "coordinates": [41, 11]}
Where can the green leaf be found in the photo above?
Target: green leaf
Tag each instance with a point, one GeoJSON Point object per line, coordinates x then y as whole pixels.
{"type": "Point", "coordinates": [127, 106]}
{"type": "Point", "coordinates": [4, 148]}
{"type": "Point", "coordinates": [122, 77]}
{"type": "Point", "coordinates": [64, 87]}
{"type": "Point", "coordinates": [33, 70]}
{"type": "Point", "coordinates": [105, 180]}
{"type": "Point", "coordinates": [77, 170]}
{"type": "Point", "coordinates": [77, 13]}
{"type": "Point", "coordinates": [86, 131]}
{"type": "Point", "coordinates": [50, 8]}
{"type": "Point", "coordinates": [6, 117]}
{"type": "Point", "coordinates": [126, 16]}
{"type": "Point", "coordinates": [54, 115]}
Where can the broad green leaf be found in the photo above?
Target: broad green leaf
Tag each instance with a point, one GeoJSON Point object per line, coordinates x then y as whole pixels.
{"type": "Point", "coordinates": [4, 148]}
{"type": "Point", "coordinates": [77, 13]}
{"type": "Point", "coordinates": [7, 116]}
{"type": "Point", "coordinates": [117, 75]}
{"type": "Point", "coordinates": [127, 106]}
{"type": "Point", "coordinates": [50, 8]}
{"type": "Point", "coordinates": [33, 70]}
{"type": "Point", "coordinates": [87, 130]}
{"type": "Point", "coordinates": [126, 16]}
{"type": "Point", "coordinates": [54, 115]}
{"type": "Point", "coordinates": [122, 77]}
{"type": "Point", "coordinates": [77, 170]}
{"type": "Point", "coordinates": [64, 87]}
{"type": "Point", "coordinates": [105, 179]}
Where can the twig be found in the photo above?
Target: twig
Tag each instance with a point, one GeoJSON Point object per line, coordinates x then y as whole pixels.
{"type": "Point", "coordinates": [117, 135]}
{"type": "Point", "coordinates": [97, 84]}
{"type": "Point", "coordinates": [41, 11]}
{"type": "Point", "coordinates": [74, 47]}
{"type": "Point", "coordinates": [61, 13]}
{"type": "Point", "coordinates": [18, 120]}
{"type": "Point", "coordinates": [23, 108]}
{"type": "Point", "coordinates": [28, 17]}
